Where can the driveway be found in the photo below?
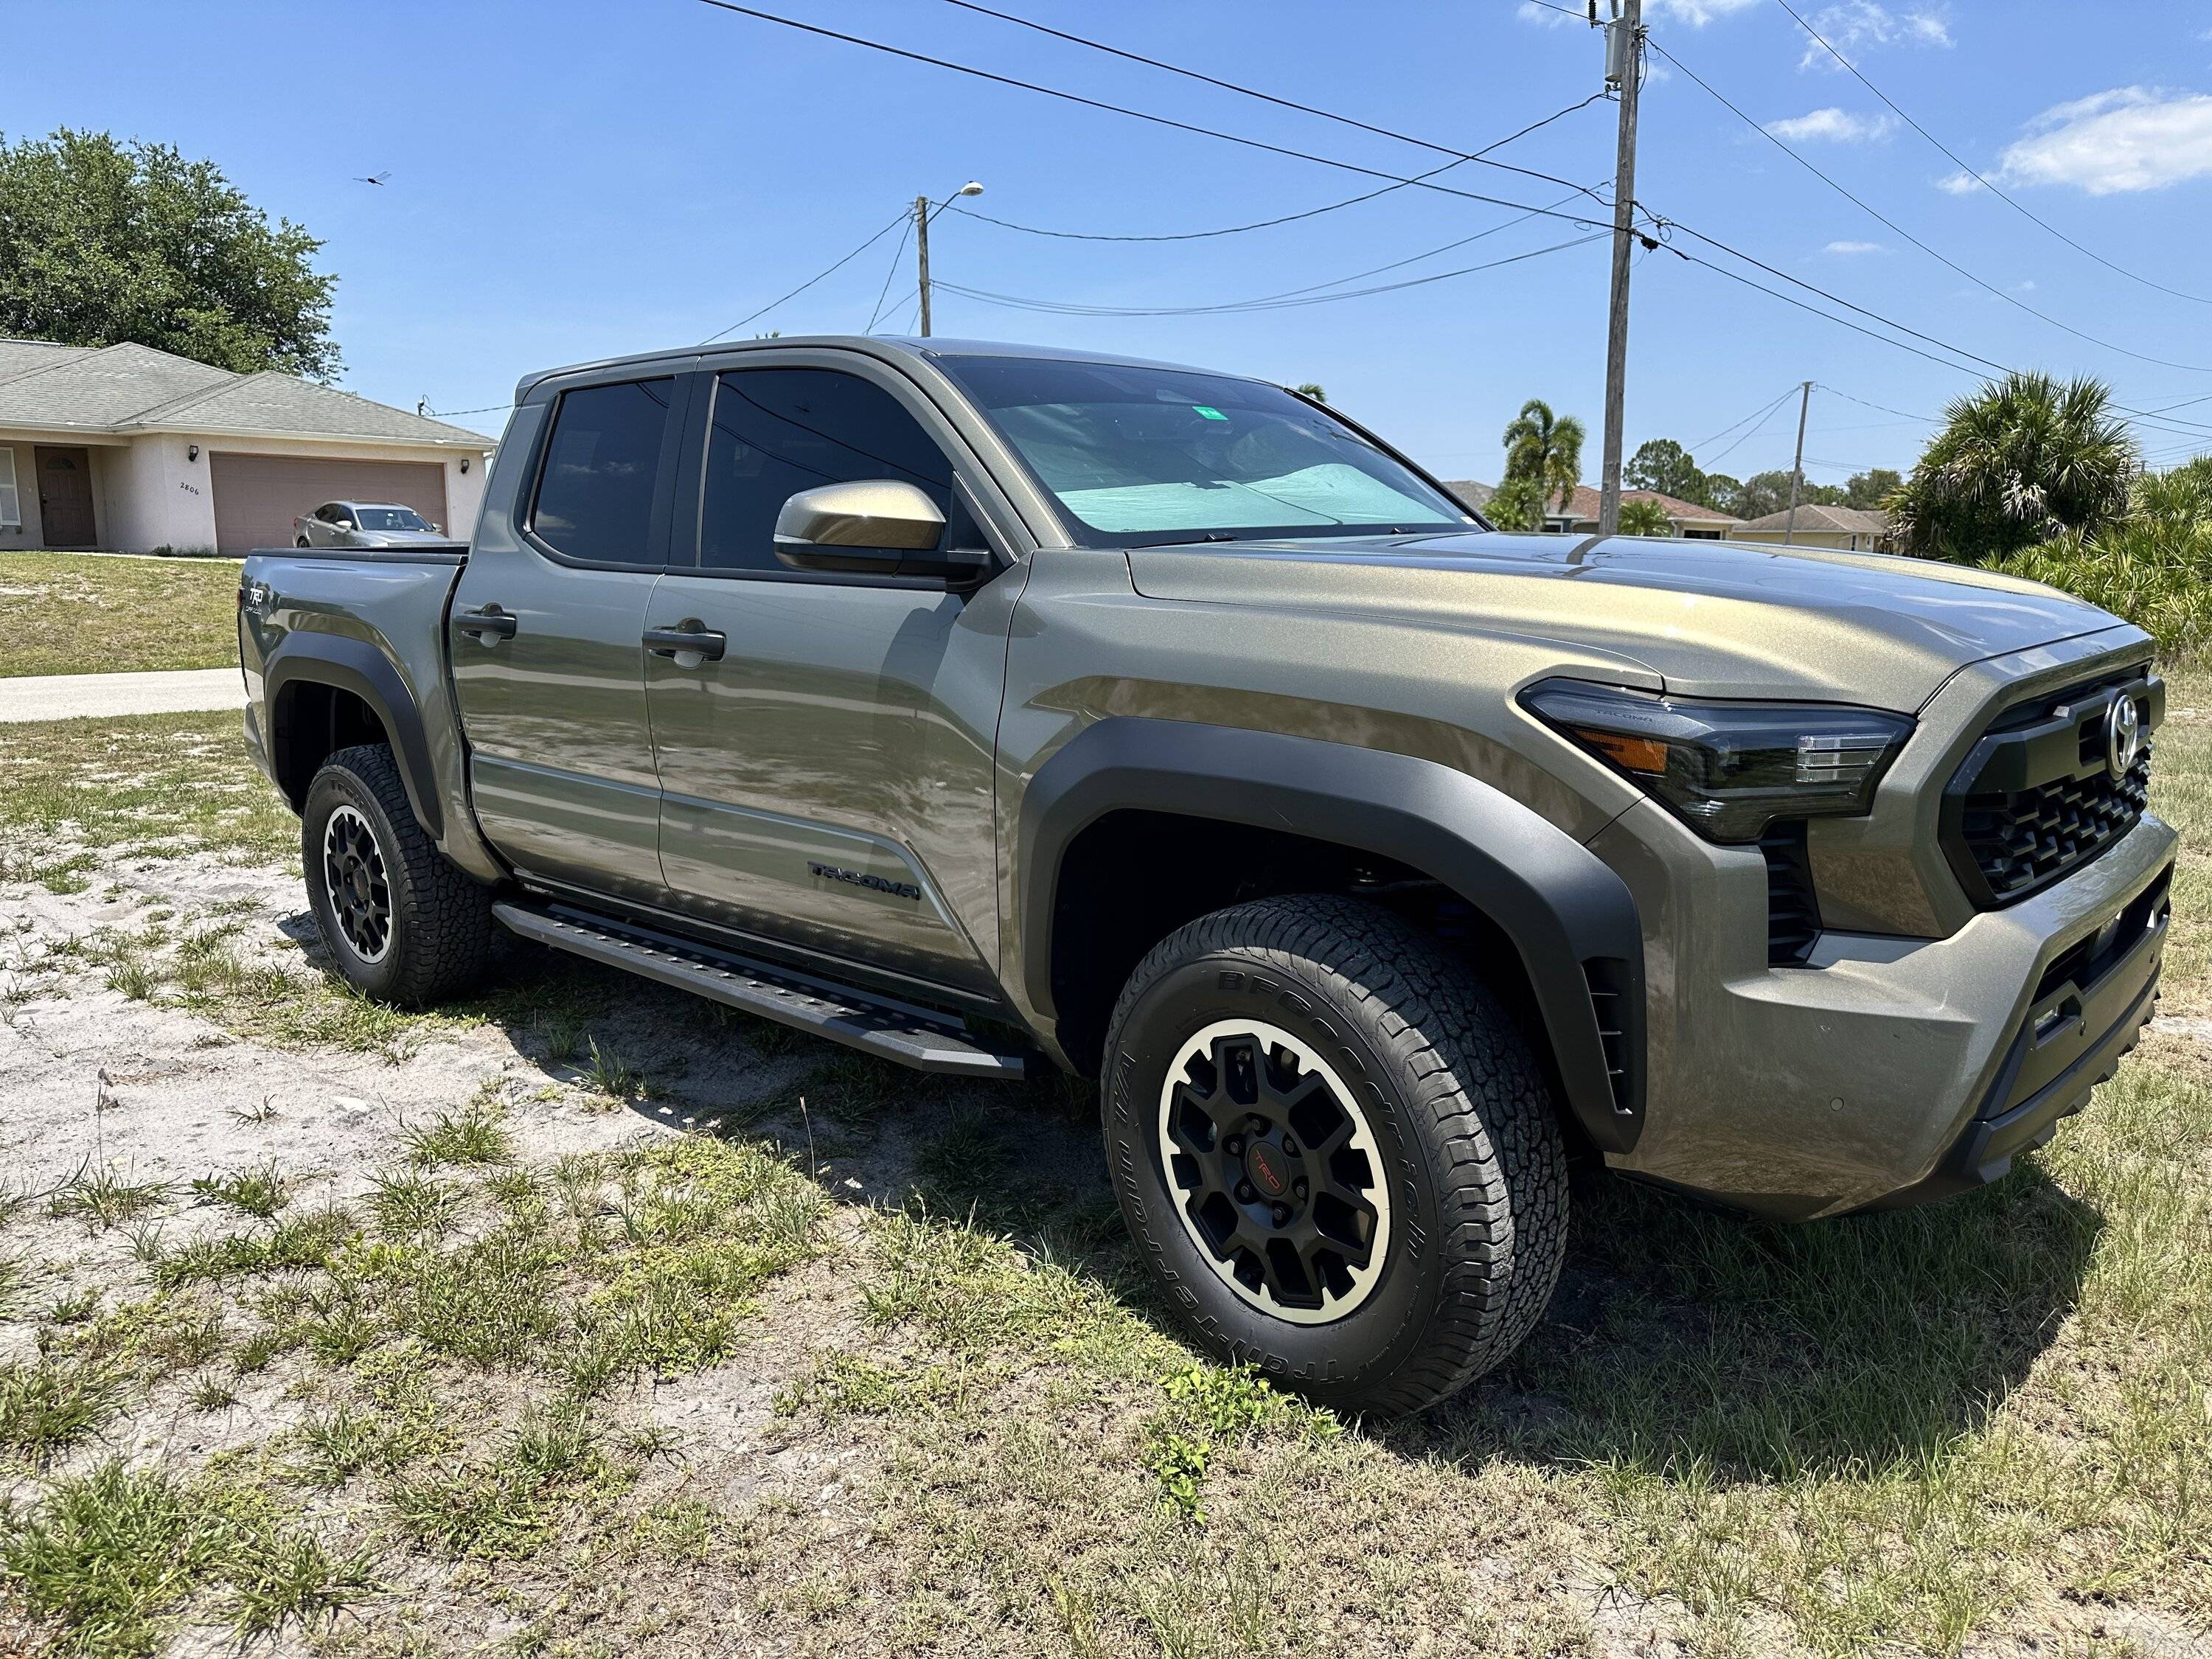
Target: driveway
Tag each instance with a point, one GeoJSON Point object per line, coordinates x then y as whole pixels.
{"type": "Point", "coordinates": [70, 696]}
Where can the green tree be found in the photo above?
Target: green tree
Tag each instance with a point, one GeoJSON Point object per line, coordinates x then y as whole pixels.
{"type": "Point", "coordinates": [1546, 450]}
{"type": "Point", "coordinates": [1722, 493]}
{"type": "Point", "coordinates": [102, 242]}
{"type": "Point", "coordinates": [1517, 504]}
{"type": "Point", "coordinates": [1871, 489]}
{"type": "Point", "coordinates": [2023, 460]}
{"type": "Point", "coordinates": [1645, 518]}
{"type": "Point", "coordinates": [1662, 465]}
{"type": "Point", "coordinates": [1311, 389]}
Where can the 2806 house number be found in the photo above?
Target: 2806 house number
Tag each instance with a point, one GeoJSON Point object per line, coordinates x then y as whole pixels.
{"type": "Point", "coordinates": [189, 489]}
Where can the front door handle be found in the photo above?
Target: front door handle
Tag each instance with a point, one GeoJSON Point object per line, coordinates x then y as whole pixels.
{"type": "Point", "coordinates": [485, 625]}
{"type": "Point", "coordinates": [689, 637]}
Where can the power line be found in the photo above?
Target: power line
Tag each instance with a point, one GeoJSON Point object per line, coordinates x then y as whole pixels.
{"type": "Point", "coordinates": [808, 284]}
{"type": "Point", "coordinates": [891, 276]}
{"type": "Point", "coordinates": [1134, 114]}
{"type": "Point", "coordinates": [1265, 97]}
{"type": "Point", "coordinates": [1755, 414]}
{"type": "Point", "coordinates": [1765, 415]}
{"type": "Point", "coordinates": [1281, 302]}
{"type": "Point", "coordinates": [1287, 218]}
{"type": "Point", "coordinates": [1925, 420]}
{"type": "Point", "coordinates": [2009, 299]}
{"type": "Point", "coordinates": [2004, 195]}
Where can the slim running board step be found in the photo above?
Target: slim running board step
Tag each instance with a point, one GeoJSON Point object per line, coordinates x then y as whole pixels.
{"type": "Point", "coordinates": [919, 1037]}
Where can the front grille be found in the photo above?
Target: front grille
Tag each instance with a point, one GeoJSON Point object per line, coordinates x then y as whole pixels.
{"type": "Point", "coordinates": [2036, 799]}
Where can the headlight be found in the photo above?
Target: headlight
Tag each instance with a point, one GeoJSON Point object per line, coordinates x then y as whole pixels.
{"type": "Point", "coordinates": [1730, 769]}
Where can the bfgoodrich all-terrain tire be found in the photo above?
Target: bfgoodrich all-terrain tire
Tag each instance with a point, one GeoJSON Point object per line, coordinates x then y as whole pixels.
{"type": "Point", "coordinates": [1335, 1150]}
{"type": "Point", "coordinates": [403, 925]}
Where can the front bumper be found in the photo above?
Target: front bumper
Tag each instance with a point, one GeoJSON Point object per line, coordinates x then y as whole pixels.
{"type": "Point", "coordinates": [1888, 1070]}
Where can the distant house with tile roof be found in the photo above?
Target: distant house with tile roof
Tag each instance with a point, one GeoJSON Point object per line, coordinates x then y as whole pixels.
{"type": "Point", "coordinates": [1579, 516]}
{"type": "Point", "coordinates": [126, 447]}
{"type": "Point", "coordinates": [1854, 530]}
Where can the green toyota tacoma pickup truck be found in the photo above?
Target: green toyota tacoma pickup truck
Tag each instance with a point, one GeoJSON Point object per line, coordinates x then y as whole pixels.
{"type": "Point", "coordinates": [993, 709]}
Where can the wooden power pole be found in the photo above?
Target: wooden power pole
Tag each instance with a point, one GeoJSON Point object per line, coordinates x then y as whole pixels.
{"type": "Point", "coordinates": [1797, 466]}
{"type": "Point", "coordinates": [1624, 64]}
{"type": "Point", "coordinates": [921, 253]}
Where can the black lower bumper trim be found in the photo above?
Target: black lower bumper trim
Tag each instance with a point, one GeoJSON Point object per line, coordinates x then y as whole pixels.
{"type": "Point", "coordinates": [1984, 1152]}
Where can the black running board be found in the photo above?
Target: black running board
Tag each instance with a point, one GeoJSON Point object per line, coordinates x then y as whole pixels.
{"type": "Point", "coordinates": [923, 1039]}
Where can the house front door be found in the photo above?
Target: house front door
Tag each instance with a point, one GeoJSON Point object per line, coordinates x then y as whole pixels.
{"type": "Point", "coordinates": [65, 496]}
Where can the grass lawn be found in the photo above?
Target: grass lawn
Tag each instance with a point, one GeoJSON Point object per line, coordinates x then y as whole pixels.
{"type": "Point", "coordinates": [1982, 1427]}
{"type": "Point", "coordinates": [85, 613]}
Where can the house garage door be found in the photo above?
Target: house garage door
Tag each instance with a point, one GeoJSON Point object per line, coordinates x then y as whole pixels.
{"type": "Point", "coordinates": [258, 496]}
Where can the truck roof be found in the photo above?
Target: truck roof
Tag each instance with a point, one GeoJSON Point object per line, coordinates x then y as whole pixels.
{"type": "Point", "coordinates": [878, 345]}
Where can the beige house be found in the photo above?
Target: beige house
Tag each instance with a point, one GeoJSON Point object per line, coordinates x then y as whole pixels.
{"type": "Point", "coordinates": [129, 448]}
{"type": "Point", "coordinates": [1853, 530]}
{"type": "Point", "coordinates": [1579, 516]}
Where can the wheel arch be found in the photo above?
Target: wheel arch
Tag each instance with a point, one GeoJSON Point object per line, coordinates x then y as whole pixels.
{"type": "Point", "coordinates": [324, 693]}
{"type": "Point", "coordinates": [1567, 918]}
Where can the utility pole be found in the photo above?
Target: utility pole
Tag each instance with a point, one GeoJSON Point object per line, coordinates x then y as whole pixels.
{"type": "Point", "coordinates": [1623, 56]}
{"type": "Point", "coordinates": [1797, 467]}
{"type": "Point", "coordinates": [923, 209]}
{"type": "Point", "coordinates": [921, 253]}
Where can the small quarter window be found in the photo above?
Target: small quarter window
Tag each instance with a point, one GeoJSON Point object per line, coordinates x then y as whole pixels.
{"type": "Point", "coordinates": [595, 492]}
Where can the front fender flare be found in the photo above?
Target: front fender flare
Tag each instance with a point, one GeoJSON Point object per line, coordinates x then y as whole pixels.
{"type": "Point", "coordinates": [1570, 917]}
{"type": "Point", "coordinates": [357, 666]}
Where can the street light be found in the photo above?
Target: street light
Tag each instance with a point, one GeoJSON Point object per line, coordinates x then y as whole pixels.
{"type": "Point", "coordinates": [924, 211]}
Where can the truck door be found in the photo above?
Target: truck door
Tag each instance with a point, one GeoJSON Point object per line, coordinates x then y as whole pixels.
{"type": "Point", "coordinates": [544, 635]}
{"type": "Point", "coordinates": [826, 758]}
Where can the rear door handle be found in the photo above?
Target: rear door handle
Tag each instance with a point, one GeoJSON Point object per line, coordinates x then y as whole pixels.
{"type": "Point", "coordinates": [485, 625]}
{"type": "Point", "coordinates": [694, 637]}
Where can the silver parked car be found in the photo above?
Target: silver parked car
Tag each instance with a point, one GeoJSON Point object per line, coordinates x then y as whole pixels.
{"type": "Point", "coordinates": [365, 524]}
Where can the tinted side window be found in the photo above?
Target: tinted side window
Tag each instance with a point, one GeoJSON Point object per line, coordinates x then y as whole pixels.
{"type": "Point", "coordinates": [778, 431]}
{"type": "Point", "coordinates": [595, 492]}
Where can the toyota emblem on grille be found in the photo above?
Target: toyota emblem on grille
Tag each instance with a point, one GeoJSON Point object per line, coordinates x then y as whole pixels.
{"type": "Point", "coordinates": [2123, 736]}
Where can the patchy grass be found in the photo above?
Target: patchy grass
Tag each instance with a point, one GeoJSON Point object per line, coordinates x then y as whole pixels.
{"type": "Point", "coordinates": [73, 792]}
{"type": "Point", "coordinates": [78, 613]}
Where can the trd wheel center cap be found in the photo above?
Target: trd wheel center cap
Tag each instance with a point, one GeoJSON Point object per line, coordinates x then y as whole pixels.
{"type": "Point", "coordinates": [1267, 1169]}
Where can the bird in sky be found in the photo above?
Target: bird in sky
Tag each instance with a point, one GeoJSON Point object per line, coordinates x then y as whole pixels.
{"type": "Point", "coordinates": [374, 178]}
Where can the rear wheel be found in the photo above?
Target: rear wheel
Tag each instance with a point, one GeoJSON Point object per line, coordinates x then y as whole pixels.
{"type": "Point", "coordinates": [403, 925]}
{"type": "Point", "coordinates": [1336, 1151]}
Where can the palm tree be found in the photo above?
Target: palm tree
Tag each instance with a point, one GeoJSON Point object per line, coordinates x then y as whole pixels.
{"type": "Point", "coordinates": [1645, 517]}
{"type": "Point", "coordinates": [1547, 449]}
{"type": "Point", "coordinates": [2022, 460]}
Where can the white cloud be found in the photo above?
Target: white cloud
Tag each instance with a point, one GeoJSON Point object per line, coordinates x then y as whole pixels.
{"type": "Point", "coordinates": [1698, 13]}
{"type": "Point", "coordinates": [2129, 138]}
{"type": "Point", "coordinates": [1857, 24]}
{"type": "Point", "coordinates": [1833, 126]}
{"type": "Point", "coordinates": [1853, 247]}
{"type": "Point", "coordinates": [1529, 12]}
{"type": "Point", "coordinates": [1958, 184]}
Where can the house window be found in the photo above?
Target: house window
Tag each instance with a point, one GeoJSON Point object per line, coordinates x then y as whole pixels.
{"type": "Point", "coordinates": [11, 503]}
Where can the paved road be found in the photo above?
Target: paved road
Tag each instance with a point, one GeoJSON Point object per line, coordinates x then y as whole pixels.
{"type": "Point", "coordinates": [70, 697]}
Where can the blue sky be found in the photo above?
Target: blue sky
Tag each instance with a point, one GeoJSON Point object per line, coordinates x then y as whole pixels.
{"type": "Point", "coordinates": [573, 181]}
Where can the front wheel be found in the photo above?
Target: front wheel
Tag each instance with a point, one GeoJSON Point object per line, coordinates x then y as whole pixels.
{"type": "Point", "coordinates": [1336, 1151]}
{"type": "Point", "coordinates": [403, 925]}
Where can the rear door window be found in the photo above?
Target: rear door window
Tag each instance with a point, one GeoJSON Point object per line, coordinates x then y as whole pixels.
{"type": "Point", "coordinates": [600, 480]}
{"type": "Point", "coordinates": [777, 431]}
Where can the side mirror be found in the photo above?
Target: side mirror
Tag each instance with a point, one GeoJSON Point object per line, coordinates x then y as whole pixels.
{"type": "Point", "coordinates": [877, 527]}
{"type": "Point", "coordinates": [343, 524]}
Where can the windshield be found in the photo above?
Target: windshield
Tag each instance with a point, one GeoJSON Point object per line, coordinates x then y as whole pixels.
{"type": "Point", "coordinates": [1149, 456]}
{"type": "Point", "coordinates": [389, 518]}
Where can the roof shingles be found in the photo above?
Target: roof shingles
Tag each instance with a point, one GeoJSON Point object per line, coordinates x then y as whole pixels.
{"type": "Point", "coordinates": [128, 388]}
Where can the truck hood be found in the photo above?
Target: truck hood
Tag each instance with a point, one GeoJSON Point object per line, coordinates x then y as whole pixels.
{"type": "Point", "coordinates": [1712, 619]}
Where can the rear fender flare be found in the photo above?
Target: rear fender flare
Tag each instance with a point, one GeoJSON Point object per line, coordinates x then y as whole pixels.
{"type": "Point", "coordinates": [1570, 918]}
{"type": "Point", "coordinates": [357, 666]}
